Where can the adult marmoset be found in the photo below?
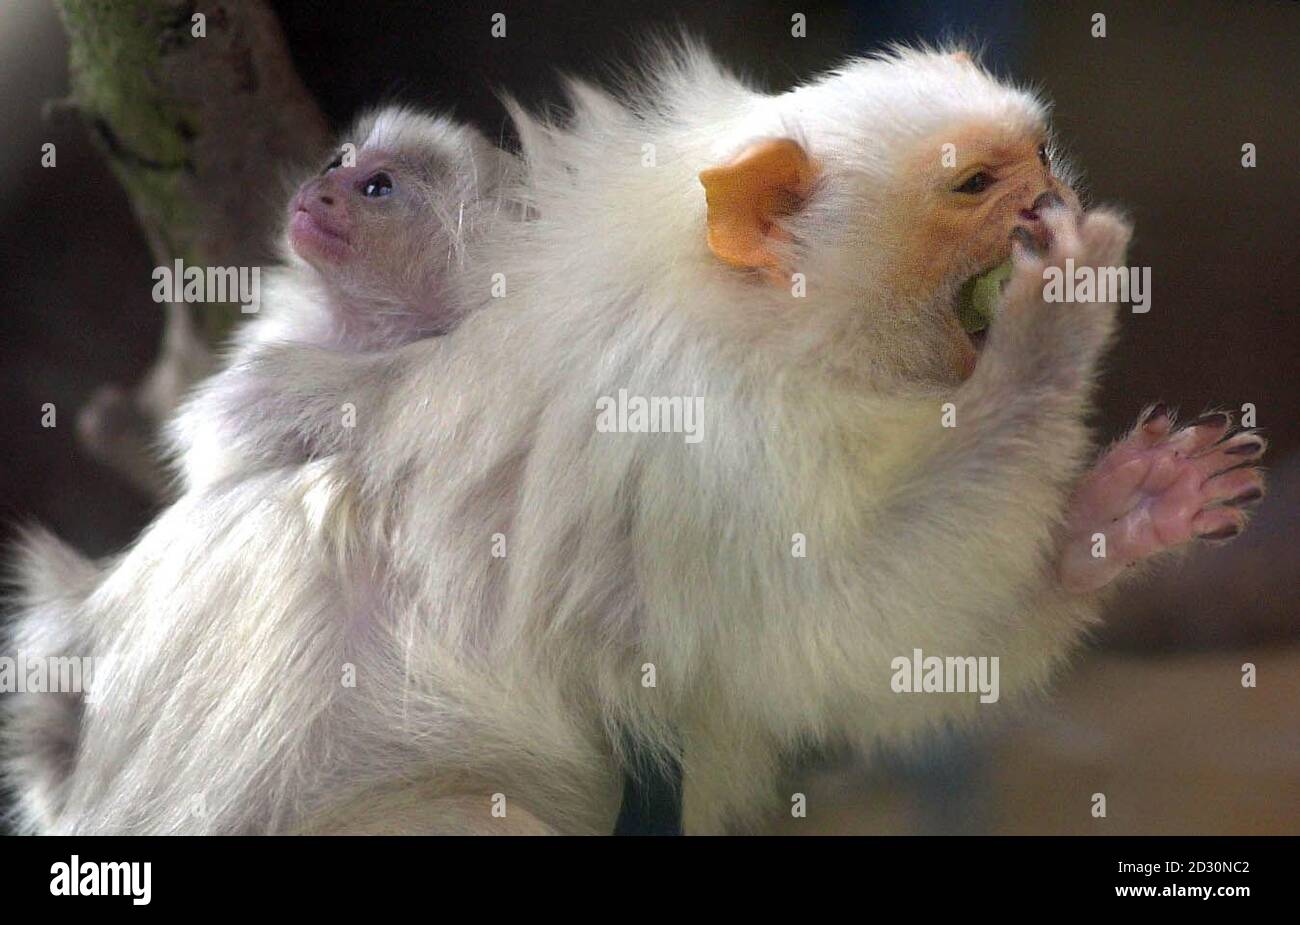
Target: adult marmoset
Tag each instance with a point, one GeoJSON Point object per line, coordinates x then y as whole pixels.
{"type": "Point", "coordinates": [459, 614]}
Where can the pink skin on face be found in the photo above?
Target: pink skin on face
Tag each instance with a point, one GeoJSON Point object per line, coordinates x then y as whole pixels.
{"type": "Point", "coordinates": [319, 218]}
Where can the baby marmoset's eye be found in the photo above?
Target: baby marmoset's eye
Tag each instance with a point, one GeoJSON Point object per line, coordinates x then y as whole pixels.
{"type": "Point", "coordinates": [1043, 155]}
{"type": "Point", "coordinates": [337, 162]}
{"type": "Point", "coordinates": [977, 183]}
{"type": "Point", "coordinates": [380, 184]}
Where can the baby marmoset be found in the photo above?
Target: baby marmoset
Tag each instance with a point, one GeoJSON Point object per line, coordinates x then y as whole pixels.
{"type": "Point", "coordinates": [516, 593]}
{"type": "Point", "coordinates": [371, 249]}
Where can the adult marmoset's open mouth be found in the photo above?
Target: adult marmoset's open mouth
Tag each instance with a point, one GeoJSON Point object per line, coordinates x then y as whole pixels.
{"type": "Point", "coordinates": [977, 301]}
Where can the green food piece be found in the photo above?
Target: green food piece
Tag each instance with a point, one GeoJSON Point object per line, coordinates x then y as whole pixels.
{"type": "Point", "coordinates": [977, 302]}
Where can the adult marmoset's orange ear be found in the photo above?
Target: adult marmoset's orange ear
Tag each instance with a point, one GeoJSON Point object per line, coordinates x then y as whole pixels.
{"type": "Point", "coordinates": [746, 197]}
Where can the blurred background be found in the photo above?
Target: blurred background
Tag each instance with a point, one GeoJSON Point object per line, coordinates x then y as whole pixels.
{"type": "Point", "coordinates": [1154, 714]}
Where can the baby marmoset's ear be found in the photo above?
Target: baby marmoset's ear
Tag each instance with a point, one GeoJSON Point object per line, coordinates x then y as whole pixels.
{"type": "Point", "coordinates": [747, 197]}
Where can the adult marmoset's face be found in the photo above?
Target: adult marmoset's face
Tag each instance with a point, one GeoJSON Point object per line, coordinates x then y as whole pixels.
{"type": "Point", "coordinates": [961, 195]}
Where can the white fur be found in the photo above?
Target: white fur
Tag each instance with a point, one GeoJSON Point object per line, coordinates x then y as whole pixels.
{"type": "Point", "coordinates": [233, 617]}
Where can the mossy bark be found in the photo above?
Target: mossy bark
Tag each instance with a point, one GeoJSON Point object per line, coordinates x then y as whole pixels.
{"type": "Point", "coordinates": [198, 110]}
{"type": "Point", "coordinates": [194, 126]}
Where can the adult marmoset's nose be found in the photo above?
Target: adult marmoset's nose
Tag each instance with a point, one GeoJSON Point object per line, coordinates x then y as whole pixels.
{"type": "Point", "coordinates": [1046, 200]}
{"type": "Point", "coordinates": [1049, 199]}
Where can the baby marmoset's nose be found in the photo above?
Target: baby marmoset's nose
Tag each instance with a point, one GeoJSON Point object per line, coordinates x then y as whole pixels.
{"type": "Point", "coordinates": [314, 190]}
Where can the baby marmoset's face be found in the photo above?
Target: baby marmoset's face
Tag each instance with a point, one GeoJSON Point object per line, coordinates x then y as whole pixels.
{"type": "Point", "coordinates": [387, 216]}
{"type": "Point", "coordinates": [336, 219]}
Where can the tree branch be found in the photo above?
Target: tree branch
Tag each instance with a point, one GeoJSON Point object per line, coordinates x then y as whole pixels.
{"type": "Point", "coordinates": [193, 127]}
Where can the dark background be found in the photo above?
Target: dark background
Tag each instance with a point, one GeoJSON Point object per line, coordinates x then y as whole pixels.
{"type": "Point", "coordinates": [1156, 113]}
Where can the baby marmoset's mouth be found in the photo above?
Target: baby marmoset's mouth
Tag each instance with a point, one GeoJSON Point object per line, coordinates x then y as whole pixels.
{"type": "Point", "coordinates": [313, 233]}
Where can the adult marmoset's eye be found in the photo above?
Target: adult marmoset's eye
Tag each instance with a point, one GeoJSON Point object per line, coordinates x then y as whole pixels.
{"type": "Point", "coordinates": [337, 162]}
{"type": "Point", "coordinates": [381, 184]}
{"type": "Point", "coordinates": [976, 184]}
{"type": "Point", "coordinates": [1043, 155]}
